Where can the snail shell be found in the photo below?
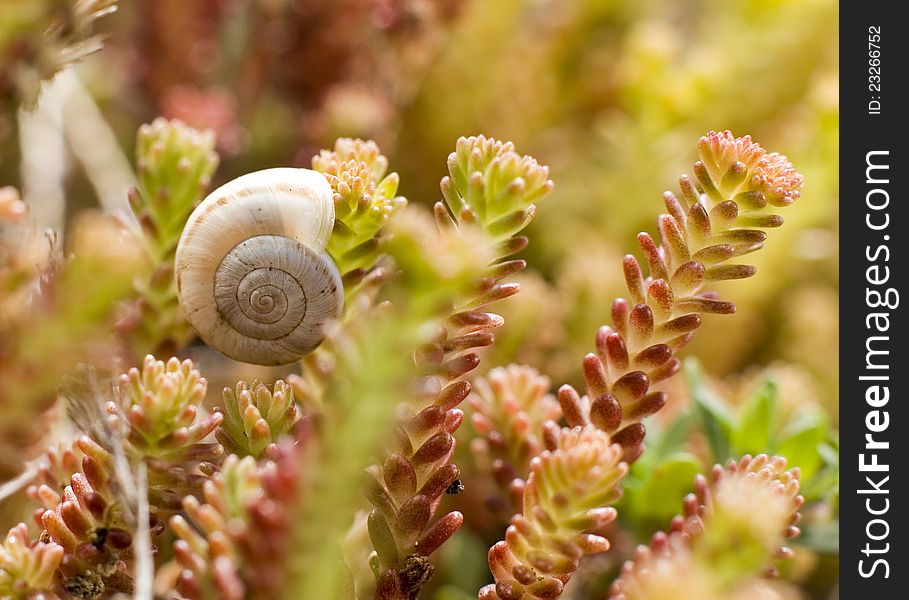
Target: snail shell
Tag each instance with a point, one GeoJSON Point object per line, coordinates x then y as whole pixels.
{"type": "Point", "coordinates": [252, 274]}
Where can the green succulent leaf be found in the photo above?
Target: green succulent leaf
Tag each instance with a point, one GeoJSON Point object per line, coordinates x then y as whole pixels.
{"type": "Point", "coordinates": [670, 438]}
{"type": "Point", "coordinates": [800, 442]}
{"type": "Point", "coordinates": [656, 495]}
{"type": "Point", "coordinates": [822, 537]}
{"type": "Point", "coordinates": [716, 419]}
{"type": "Point", "coordinates": [754, 430]}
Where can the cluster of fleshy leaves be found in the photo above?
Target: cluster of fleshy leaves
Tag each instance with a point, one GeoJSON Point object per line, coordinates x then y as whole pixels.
{"type": "Point", "coordinates": [720, 216]}
{"type": "Point", "coordinates": [236, 518]}
{"type": "Point", "coordinates": [736, 180]}
{"type": "Point", "coordinates": [91, 520]}
{"type": "Point", "coordinates": [489, 195]}
{"type": "Point", "coordinates": [152, 417]}
{"type": "Point", "coordinates": [490, 184]}
{"type": "Point", "coordinates": [567, 499]}
{"type": "Point", "coordinates": [509, 406]}
{"type": "Point", "coordinates": [27, 566]}
{"type": "Point", "coordinates": [232, 545]}
{"type": "Point", "coordinates": [208, 555]}
{"type": "Point", "coordinates": [365, 198]}
{"type": "Point", "coordinates": [256, 417]}
{"type": "Point", "coordinates": [158, 412]}
{"type": "Point", "coordinates": [733, 529]}
{"type": "Point", "coordinates": [174, 165]}
{"type": "Point", "coordinates": [232, 517]}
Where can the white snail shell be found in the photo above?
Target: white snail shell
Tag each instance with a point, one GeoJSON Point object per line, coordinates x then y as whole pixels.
{"type": "Point", "coordinates": [252, 274]}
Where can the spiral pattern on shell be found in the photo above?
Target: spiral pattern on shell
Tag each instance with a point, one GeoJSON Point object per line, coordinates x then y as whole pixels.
{"type": "Point", "coordinates": [252, 273]}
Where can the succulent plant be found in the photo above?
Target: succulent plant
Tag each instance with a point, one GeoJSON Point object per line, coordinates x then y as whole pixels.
{"type": "Point", "coordinates": [567, 498]}
{"type": "Point", "coordinates": [365, 197]}
{"type": "Point", "coordinates": [509, 406]}
{"type": "Point", "coordinates": [157, 412]}
{"type": "Point", "coordinates": [27, 568]}
{"type": "Point", "coordinates": [90, 522]}
{"type": "Point", "coordinates": [720, 216]}
{"type": "Point", "coordinates": [256, 417]}
{"type": "Point", "coordinates": [175, 164]}
{"type": "Point", "coordinates": [489, 196]}
{"type": "Point", "coordinates": [257, 494]}
{"type": "Point", "coordinates": [736, 181]}
{"type": "Point", "coordinates": [232, 544]}
{"type": "Point", "coordinates": [733, 530]}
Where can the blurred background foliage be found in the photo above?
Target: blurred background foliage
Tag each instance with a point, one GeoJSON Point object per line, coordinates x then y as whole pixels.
{"type": "Point", "coordinates": [609, 93]}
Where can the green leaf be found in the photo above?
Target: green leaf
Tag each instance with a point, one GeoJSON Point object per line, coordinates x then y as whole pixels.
{"type": "Point", "coordinates": [800, 442]}
{"type": "Point", "coordinates": [669, 439]}
{"type": "Point", "coordinates": [658, 496]}
{"type": "Point", "coordinates": [821, 537]}
{"type": "Point", "coordinates": [829, 453]}
{"type": "Point", "coordinates": [714, 415]}
{"type": "Point", "coordinates": [825, 484]}
{"type": "Point", "coordinates": [822, 486]}
{"type": "Point", "coordinates": [753, 432]}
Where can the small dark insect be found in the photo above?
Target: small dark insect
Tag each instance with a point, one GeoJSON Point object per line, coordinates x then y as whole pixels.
{"type": "Point", "coordinates": [455, 488]}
